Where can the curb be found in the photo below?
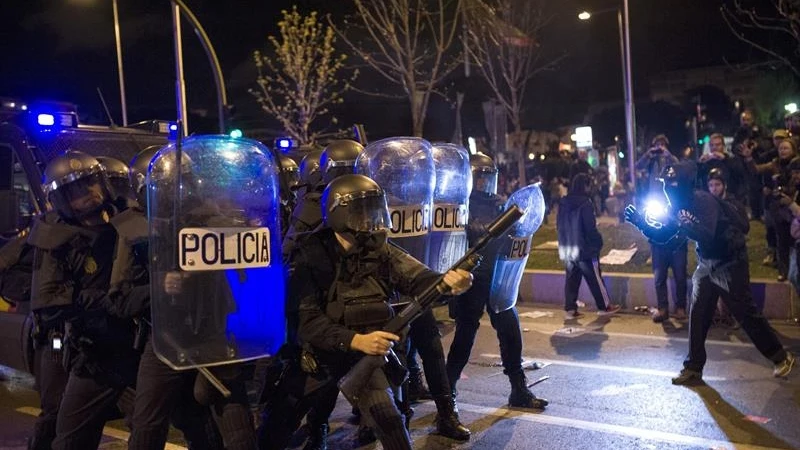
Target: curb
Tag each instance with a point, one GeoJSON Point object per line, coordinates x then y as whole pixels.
{"type": "Point", "coordinates": [777, 300]}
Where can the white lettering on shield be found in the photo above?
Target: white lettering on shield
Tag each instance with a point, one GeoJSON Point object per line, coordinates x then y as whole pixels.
{"type": "Point", "coordinates": [449, 217]}
{"type": "Point", "coordinates": [409, 221]}
{"type": "Point", "coordinates": [202, 249]}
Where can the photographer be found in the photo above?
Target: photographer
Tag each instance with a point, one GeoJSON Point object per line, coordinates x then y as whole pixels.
{"type": "Point", "coordinates": [778, 174]}
{"type": "Point", "coordinates": [720, 158]}
{"type": "Point", "coordinates": [654, 161]}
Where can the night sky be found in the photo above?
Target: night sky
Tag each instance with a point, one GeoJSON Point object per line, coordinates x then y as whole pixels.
{"type": "Point", "coordinates": [64, 49]}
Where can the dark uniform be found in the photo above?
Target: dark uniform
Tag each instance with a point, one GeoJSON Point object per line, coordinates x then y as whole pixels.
{"type": "Point", "coordinates": [344, 293]}
{"type": "Point", "coordinates": [161, 392]}
{"type": "Point", "coordinates": [719, 229]}
{"type": "Point", "coordinates": [72, 269]}
{"type": "Point", "coordinates": [484, 206]}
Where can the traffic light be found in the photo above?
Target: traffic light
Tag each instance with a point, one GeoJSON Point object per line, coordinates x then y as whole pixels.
{"type": "Point", "coordinates": [704, 140]}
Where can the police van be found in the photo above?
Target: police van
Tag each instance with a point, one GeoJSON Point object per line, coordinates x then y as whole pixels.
{"type": "Point", "coordinates": [32, 134]}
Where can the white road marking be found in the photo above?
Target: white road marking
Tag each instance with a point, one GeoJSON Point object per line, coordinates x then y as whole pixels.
{"type": "Point", "coordinates": [108, 431]}
{"type": "Point", "coordinates": [640, 433]}
{"type": "Point", "coordinates": [636, 370]}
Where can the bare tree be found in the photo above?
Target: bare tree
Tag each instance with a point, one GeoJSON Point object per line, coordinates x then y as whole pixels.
{"type": "Point", "coordinates": [302, 79]}
{"type": "Point", "coordinates": [409, 43]}
{"type": "Point", "coordinates": [773, 29]}
{"type": "Point", "coordinates": [504, 41]}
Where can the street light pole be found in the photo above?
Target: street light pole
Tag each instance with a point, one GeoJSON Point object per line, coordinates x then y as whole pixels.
{"type": "Point", "coordinates": [119, 66]}
{"type": "Point", "coordinates": [630, 112]}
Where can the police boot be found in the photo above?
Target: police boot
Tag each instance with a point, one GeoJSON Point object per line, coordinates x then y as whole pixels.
{"type": "Point", "coordinates": [447, 422]}
{"type": "Point", "coordinates": [521, 396]}
{"type": "Point", "coordinates": [317, 437]}
{"type": "Point", "coordinates": [416, 387]}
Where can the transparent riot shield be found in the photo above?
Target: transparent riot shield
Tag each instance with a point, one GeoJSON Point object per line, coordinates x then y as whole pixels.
{"type": "Point", "coordinates": [448, 241]}
{"type": "Point", "coordinates": [403, 167]}
{"type": "Point", "coordinates": [515, 247]}
{"type": "Point", "coordinates": [217, 287]}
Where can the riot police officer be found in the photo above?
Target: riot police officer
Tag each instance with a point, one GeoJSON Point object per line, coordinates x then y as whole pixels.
{"type": "Point", "coordinates": [719, 229]}
{"type": "Point", "coordinates": [289, 179]}
{"type": "Point", "coordinates": [117, 173]}
{"type": "Point", "coordinates": [72, 269]}
{"type": "Point", "coordinates": [161, 392]}
{"type": "Point", "coordinates": [484, 205]}
{"type": "Point", "coordinates": [345, 276]}
{"type": "Point", "coordinates": [337, 159]}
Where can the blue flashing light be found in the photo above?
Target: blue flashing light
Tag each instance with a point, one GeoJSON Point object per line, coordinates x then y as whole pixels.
{"type": "Point", "coordinates": [285, 143]}
{"type": "Point", "coordinates": [46, 120]}
{"type": "Point", "coordinates": [236, 133]}
{"type": "Point", "coordinates": [172, 131]}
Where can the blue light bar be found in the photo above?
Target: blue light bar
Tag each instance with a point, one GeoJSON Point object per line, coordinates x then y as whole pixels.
{"type": "Point", "coordinates": [46, 120]}
{"type": "Point", "coordinates": [284, 143]}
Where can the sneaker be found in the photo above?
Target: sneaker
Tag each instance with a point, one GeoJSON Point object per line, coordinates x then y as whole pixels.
{"type": "Point", "coordinates": [688, 377]}
{"type": "Point", "coordinates": [680, 314]}
{"type": "Point", "coordinates": [784, 367]}
{"type": "Point", "coordinates": [611, 309]}
{"type": "Point", "coordinates": [573, 314]}
{"type": "Point", "coordinates": [660, 315]}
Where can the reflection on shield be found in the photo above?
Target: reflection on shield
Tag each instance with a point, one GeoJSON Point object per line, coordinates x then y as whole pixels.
{"type": "Point", "coordinates": [217, 288]}
{"type": "Point", "coordinates": [450, 214]}
{"type": "Point", "coordinates": [515, 247]}
{"type": "Point", "coordinates": [403, 167]}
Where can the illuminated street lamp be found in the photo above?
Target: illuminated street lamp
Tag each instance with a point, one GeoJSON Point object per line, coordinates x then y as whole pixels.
{"type": "Point", "coordinates": [790, 108]}
{"type": "Point", "coordinates": [623, 21]}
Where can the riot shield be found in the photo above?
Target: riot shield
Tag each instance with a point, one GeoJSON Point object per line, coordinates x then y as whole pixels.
{"type": "Point", "coordinates": [448, 241]}
{"type": "Point", "coordinates": [403, 167]}
{"type": "Point", "coordinates": [217, 287]}
{"type": "Point", "coordinates": [515, 247]}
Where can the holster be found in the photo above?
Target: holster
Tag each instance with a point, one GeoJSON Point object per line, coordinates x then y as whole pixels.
{"type": "Point", "coordinates": [142, 333]}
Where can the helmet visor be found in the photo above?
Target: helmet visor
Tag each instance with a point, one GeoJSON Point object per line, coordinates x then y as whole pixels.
{"type": "Point", "coordinates": [367, 213]}
{"type": "Point", "coordinates": [484, 180]}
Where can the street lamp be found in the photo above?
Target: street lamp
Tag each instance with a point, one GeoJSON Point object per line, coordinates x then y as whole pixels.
{"type": "Point", "coordinates": [790, 108]}
{"type": "Point", "coordinates": [623, 21]}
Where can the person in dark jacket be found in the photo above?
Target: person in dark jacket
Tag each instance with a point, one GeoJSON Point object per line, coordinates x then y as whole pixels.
{"type": "Point", "coordinates": [346, 276]}
{"type": "Point", "coordinates": [719, 228]}
{"type": "Point", "coordinates": [579, 245]}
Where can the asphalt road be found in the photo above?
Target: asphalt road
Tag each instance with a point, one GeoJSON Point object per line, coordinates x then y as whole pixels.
{"type": "Point", "coordinates": [608, 382]}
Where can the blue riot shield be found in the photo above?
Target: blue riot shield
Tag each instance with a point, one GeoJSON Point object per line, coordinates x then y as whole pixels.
{"type": "Point", "coordinates": [448, 241]}
{"type": "Point", "coordinates": [403, 167]}
{"type": "Point", "coordinates": [217, 286]}
{"type": "Point", "coordinates": [515, 247]}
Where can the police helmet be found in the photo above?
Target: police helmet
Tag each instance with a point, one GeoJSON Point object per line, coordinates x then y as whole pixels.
{"type": "Point", "coordinates": [310, 171]}
{"type": "Point", "coordinates": [117, 173]}
{"type": "Point", "coordinates": [138, 172]}
{"type": "Point", "coordinates": [484, 173]}
{"type": "Point", "coordinates": [339, 158]}
{"type": "Point", "coordinates": [355, 203]}
{"type": "Point", "coordinates": [76, 185]}
{"type": "Point", "coordinates": [717, 174]}
{"type": "Point", "coordinates": [290, 172]}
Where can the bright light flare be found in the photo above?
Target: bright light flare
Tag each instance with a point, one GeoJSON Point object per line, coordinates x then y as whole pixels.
{"type": "Point", "coordinates": [655, 212]}
{"type": "Point", "coordinates": [584, 15]}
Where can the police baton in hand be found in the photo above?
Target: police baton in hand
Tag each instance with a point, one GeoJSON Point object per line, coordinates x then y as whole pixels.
{"type": "Point", "coordinates": [354, 381]}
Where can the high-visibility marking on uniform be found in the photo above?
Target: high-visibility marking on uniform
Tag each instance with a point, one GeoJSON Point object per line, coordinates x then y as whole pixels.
{"type": "Point", "coordinates": [201, 249]}
{"type": "Point", "coordinates": [107, 431]}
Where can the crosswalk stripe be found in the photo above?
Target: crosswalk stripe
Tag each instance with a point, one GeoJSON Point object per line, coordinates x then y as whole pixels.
{"type": "Point", "coordinates": [107, 431]}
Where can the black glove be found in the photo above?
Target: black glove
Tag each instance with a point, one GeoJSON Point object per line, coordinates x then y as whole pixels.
{"type": "Point", "coordinates": [633, 216]}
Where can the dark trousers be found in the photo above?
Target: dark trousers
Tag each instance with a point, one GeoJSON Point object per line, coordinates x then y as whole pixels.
{"type": "Point", "coordinates": [665, 258]}
{"type": "Point", "coordinates": [425, 337]}
{"type": "Point", "coordinates": [739, 302]}
{"type": "Point", "coordinates": [469, 310]}
{"type": "Point", "coordinates": [755, 199]}
{"type": "Point", "coordinates": [301, 391]}
{"type": "Point", "coordinates": [232, 415]}
{"type": "Point", "coordinates": [589, 270]}
{"type": "Point", "coordinates": [163, 393]}
{"type": "Point", "coordinates": [86, 406]}
{"type": "Point", "coordinates": [784, 244]}
{"type": "Point", "coordinates": [51, 381]}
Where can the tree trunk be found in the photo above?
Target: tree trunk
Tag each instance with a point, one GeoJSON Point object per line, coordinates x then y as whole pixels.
{"type": "Point", "coordinates": [521, 151]}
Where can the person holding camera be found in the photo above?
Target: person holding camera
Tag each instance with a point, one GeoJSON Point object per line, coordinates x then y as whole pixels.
{"type": "Point", "coordinates": [672, 254]}
{"type": "Point", "coordinates": [778, 176]}
{"type": "Point", "coordinates": [719, 158]}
